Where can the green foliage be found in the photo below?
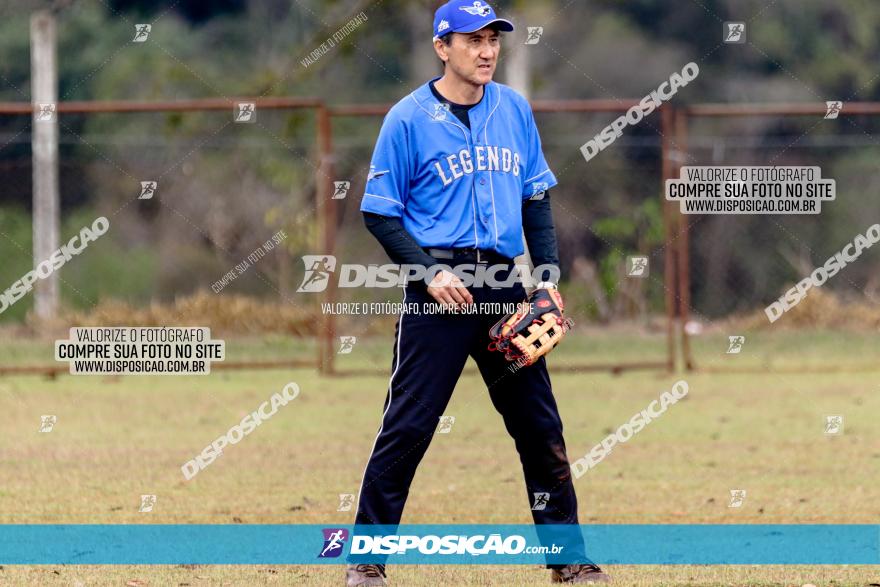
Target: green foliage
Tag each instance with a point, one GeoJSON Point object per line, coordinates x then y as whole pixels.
{"type": "Point", "coordinates": [639, 232]}
{"type": "Point", "coordinates": [15, 250]}
{"type": "Point", "coordinates": [109, 268]}
{"type": "Point", "coordinates": [105, 269]}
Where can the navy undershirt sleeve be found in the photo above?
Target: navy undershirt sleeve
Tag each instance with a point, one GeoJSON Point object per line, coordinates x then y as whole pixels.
{"type": "Point", "coordinates": [537, 218]}
{"type": "Point", "coordinates": [401, 247]}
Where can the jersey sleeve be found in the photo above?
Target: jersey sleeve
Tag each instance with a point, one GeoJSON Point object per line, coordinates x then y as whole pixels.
{"type": "Point", "coordinates": [537, 175]}
{"type": "Point", "coordinates": [388, 182]}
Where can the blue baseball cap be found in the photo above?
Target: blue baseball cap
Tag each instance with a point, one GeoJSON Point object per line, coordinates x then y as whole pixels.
{"type": "Point", "coordinates": [467, 16]}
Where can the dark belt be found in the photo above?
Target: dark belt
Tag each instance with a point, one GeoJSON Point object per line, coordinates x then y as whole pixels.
{"type": "Point", "coordinates": [482, 256]}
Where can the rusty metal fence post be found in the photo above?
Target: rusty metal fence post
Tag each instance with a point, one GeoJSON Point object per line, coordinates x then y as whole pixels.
{"type": "Point", "coordinates": [683, 242]}
{"type": "Point", "coordinates": [670, 217]}
{"type": "Point", "coordinates": [326, 233]}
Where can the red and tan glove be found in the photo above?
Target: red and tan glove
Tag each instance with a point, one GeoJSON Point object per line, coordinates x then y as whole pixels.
{"type": "Point", "coordinates": [533, 330]}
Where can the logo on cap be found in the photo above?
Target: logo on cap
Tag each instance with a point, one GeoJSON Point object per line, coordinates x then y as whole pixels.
{"type": "Point", "coordinates": [478, 9]}
{"type": "Point", "coordinates": [467, 16]}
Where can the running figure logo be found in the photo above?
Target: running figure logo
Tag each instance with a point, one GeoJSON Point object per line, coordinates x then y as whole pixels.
{"type": "Point", "coordinates": [147, 503]}
{"type": "Point", "coordinates": [141, 32]}
{"type": "Point", "coordinates": [735, 344]}
{"type": "Point", "coordinates": [245, 112]}
{"type": "Point", "coordinates": [346, 500]}
{"type": "Point", "coordinates": [541, 500]}
{"type": "Point", "coordinates": [833, 108]}
{"type": "Point", "coordinates": [445, 426]}
{"type": "Point", "coordinates": [535, 33]}
{"type": "Point", "coordinates": [539, 188]}
{"type": "Point", "coordinates": [833, 424]}
{"type": "Point", "coordinates": [346, 344]}
{"type": "Point", "coordinates": [737, 497]}
{"type": "Point", "coordinates": [334, 542]}
{"type": "Point", "coordinates": [148, 188]}
{"type": "Point", "coordinates": [637, 266]}
{"type": "Point", "coordinates": [440, 111]}
{"type": "Point", "coordinates": [735, 32]}
{"type": "Point", "coordinates": [47, 423]}
{"type": "Point", "coordinates": [341, 189]}
{"type": "Point", "coordinates": [318, 270]}
{"type": "Point", "coordinates": [46, 112]}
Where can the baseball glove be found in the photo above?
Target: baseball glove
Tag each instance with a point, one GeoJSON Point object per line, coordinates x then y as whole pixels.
{"type": "Point", "coordinates": [533, 330]}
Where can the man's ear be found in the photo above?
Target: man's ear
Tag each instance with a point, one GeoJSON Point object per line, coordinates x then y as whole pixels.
{"type": "Point", "coordinates": [441, 48]}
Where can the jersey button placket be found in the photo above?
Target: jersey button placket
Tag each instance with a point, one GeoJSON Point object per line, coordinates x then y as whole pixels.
{"type": "Point", "coordinates": [480, 179]}
{"type": "Point", "coordinates": [482, 200]}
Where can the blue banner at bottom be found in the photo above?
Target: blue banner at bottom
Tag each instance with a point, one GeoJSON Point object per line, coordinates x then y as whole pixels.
{"type": "Point", "coordinates": [439, 544]}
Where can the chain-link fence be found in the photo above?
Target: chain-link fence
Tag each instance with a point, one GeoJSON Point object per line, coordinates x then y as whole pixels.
{"type": "Point", "coordinates": [205, 206]}
{"type": "Point", "coordinates": [739, 265]}
{"type": "Point", "coordinates": [207, 212]}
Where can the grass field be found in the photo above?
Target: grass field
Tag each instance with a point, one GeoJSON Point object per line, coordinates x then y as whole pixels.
{"type": "Point", "coordinates": [761, 429]}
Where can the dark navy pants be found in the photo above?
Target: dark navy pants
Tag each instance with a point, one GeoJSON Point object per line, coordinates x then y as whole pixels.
{"type": "Point", "coordinates": [430, 352]}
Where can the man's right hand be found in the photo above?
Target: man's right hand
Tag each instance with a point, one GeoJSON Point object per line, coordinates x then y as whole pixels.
{"type": "Point", "coordinates": [448, 290]}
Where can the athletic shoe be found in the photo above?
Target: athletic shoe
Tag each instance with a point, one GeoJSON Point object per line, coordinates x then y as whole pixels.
{"type": "Point", "coordinates": [365, 576]}
{"type": "Point", "coordinates": [579, 574]}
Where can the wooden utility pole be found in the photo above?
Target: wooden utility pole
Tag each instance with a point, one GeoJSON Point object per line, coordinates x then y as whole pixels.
{"type": "Point", "coordinates": [44, 96]}
{"type": "Point", "coordinates": [517, 60]}
{"type": "Point", "coordinates": [517, 75]}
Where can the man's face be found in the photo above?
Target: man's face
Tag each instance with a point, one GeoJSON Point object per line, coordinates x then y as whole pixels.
{"type": "Point", "coordinates": [472, 56]}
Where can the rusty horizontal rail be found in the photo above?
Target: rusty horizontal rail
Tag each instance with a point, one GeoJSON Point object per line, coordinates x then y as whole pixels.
{"type": "Point", "coordinates": [281, 102]}
{"type": "Point", "coordinates": [537, 106]}
{"type": "Point", "coordinates": [193, 105]}
{"type": "Point", "coordinates": [782, 109]}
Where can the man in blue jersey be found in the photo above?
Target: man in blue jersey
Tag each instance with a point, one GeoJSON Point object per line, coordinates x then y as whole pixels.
{"type": "Point", "coordinates": [457, 177]}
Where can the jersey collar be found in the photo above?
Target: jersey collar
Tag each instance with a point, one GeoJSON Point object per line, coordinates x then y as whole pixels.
{"type": "Point", "coordinates": [479, 114]}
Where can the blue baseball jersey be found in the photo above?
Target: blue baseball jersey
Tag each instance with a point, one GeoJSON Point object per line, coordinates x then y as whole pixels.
{"type": "Point", "coordinates": [454, 187]}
